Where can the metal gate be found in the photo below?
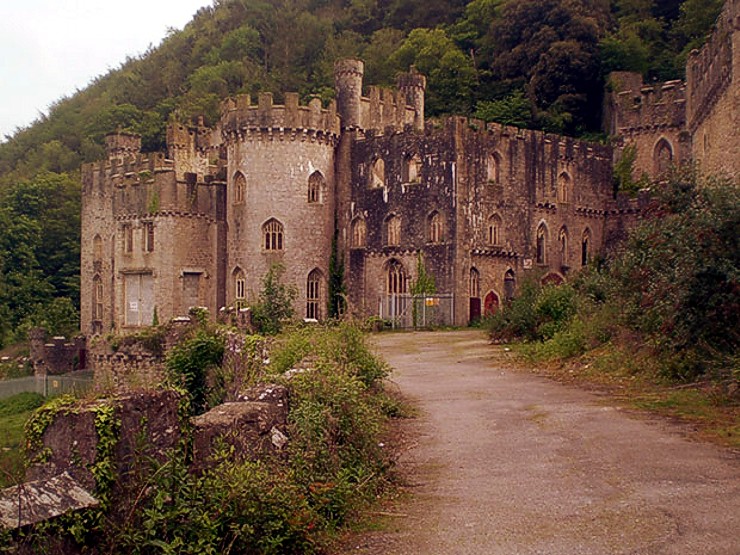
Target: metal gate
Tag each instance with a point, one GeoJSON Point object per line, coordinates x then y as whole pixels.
{"type": "Point", "coordinates": [417, 311]}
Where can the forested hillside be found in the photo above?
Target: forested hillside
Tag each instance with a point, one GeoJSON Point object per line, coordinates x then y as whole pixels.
{"type": "Point", "coordinates": [535, 63]}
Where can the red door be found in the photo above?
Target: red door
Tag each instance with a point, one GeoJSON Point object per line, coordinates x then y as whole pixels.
{"type": "Point", "coordinates": [491, 304]}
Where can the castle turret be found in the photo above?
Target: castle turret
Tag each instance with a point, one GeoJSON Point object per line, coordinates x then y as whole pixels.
{"type": "Point", "coordinates": [121, 144]}
{"type": "Point", "coordinates": [412, 86]}
{"type": "Point", "coordinates": [348, 82]}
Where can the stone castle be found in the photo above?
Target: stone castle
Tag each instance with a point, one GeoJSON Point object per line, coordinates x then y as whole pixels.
{"type": "Point", "coordinates": [479, 206]}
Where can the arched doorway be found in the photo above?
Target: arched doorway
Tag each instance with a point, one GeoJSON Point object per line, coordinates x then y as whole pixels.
{"type": "Point", "coordinates": [491, 304]}
{"type": "Point", "coordinates": [552, 279]}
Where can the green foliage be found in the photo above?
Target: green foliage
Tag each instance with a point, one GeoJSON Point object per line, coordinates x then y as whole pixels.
{"type": "Point", "coordinates": [275, 306]}
{"type": "Point", "coordinates": [515, 110]}
{"type": "Point", "coordinates": [14, 412]}
{"type": "Point", "coordinates": [341, 346]}
{"type": "Point", "coordinates": [337, 290]}
{"type": "Point", "coordinates": [678, 274]}
{"type": "Point", "coordinates": [189, 362]}
{"type": "Point", "coordinates": [424, 282]}
{"type": "Point", "coordinates": [107, 426]}
{"type": "Point", "coordinates": [624, 170]}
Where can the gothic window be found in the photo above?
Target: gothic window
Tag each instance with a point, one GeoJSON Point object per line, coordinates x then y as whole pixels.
{"type": "Point", "coordinates": [359, 231]}
{"type": "Point", "coordinates": [493, 168]}
{"type": "Point", "coordinates": [190, 289]}
{"type": "Point", "coordinates": [509, 285]}
{"type": "Point", "coordinates": [663, 156]}
{"type": "Point", "coordinates": [128, 238]}
{"type": "Point", "coordinates": [273, 233]}
{"type": "Point", "coordinates": [412, 169]}
{"type": "Point", "coordinates": [313, 295]}
{"type": "Point", "coordinates": [240, 187]}
{"type": "Point", "coordinates": [316, 184]}
{"type": "Point", "coordinates": [474, 283]}
{"type": "Point", "coordinates": [494, 231]}
{"type": "Point", "coordinates": [542, 244]}
{"type": "Point", "coordinates": [585, 247]}
{"type": "Point", "coordinates": [563, 242]}
{"type": "Point", "coordinates": [563, 188]}
{"type": "Point", "coordinates": [97, 299]}
{"type": "Point", "coordinates": [240, 289]}
{"type": "Point", "coordinates": [148, 237]}
{"type": "Point", "coordinates": [396, 279]}
{"type": "Point", "coordinates": [393, 231]}
{"type": "Point", "coordinates": [436, 228]}
{"type": "Point", "coordinates": [97, 249]}
{"type": "Point", "coordinates": [377, 174]}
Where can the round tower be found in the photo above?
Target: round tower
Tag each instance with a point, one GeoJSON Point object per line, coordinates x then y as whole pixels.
{"type": "Point", "coordinates": [280, 198]}
{"type": "Point", "coordinates": [348, 83]}
{"type": "Point", "coordinates": [412, 85]}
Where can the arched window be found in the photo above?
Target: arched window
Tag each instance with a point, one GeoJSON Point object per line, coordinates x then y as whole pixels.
{"type": "Point", "coordinates": [509, 284]}
{"type": "Point", "coordinates": [412, 169]}
{"type": "Point", "coordinates": [585, 247]}
{"type": "Point", "coordinates": [396, 278]}
{"type": "Point", "coordinates": [563, 242]}
{"type": "Point", "coordinates": [493, 168]}
{"type": "Point", "coordinates": [97, 299]}
{"type": "Point", "coordinates": [662, 156]}
{"type": "Point", "coordinates": [563, 187]}
{"type": "Point", "coordinates": [97, 249]}
{"type": "Point", "coordinates": [393, 231]}
{"type": "Point", "coordinates": [377, 174]}
{"type": "Point", "coordinates": [436, 228]}
{"type": "Point", "coordinates": [316, 184]}
{"type": "Point", "coordinates": [359, 232]}
{"type": "Point", "coordinates": [542, 244]}
{"type": "Point", "coordinates": [240, 187]}
{"type": "Point", "coordinates": [273, 233]}
{"type": "Point", "coordinates": [313, 295]}
{"type": "Point", "coordinates": [240, 288]}
{"type": "Point", "coordinates": [494, 231]}
{"type": "Point", "coordinates": [474, 283]}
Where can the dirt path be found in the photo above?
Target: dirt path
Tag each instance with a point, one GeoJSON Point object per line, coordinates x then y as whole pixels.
{"type": "Point", "coordinates": [510, 463]}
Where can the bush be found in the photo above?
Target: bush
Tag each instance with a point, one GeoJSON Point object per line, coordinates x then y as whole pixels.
{"type": "Point", "coordinates": [189, 362]}
{"type": "Point", "coordinates": [275, 306]}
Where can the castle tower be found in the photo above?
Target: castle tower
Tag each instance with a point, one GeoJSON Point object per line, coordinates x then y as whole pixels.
{"type": "Point", "coordinates": [120, 144]}
{"type": "Point", "coordinates": [412, 86]}
{"type": "Point", "coordinates": [280, 197]}
{"type": "Point", "coordinates": [348, 83]}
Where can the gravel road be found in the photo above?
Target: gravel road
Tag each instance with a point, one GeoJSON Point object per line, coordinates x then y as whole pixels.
{"type": "Point", "coordinates": [502, 461]}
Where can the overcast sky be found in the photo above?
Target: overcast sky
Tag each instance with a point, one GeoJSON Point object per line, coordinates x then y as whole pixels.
{"type": "Point", "coordinates": [51, 48]}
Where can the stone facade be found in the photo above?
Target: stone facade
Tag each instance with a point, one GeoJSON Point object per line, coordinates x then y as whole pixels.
{"type": "Point", "coordinates": [480, 206]}
{"type": "Point", "coordinates": [676, 122]}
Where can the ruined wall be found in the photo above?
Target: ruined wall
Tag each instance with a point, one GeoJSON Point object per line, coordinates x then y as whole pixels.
{"type": "Point", "coordinates": [55, 357]}
{"type": "Point", "coordinates": [148, 423]}
{"type": "Point", "coordinates": [651, 117]}
{"type": "Point", "coordinates": [713, 93]}
{"type": "Point", "coordinates": [279, 153]}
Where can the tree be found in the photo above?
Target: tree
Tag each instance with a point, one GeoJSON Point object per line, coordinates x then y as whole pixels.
{"type": "Point", "coordinates": [515, 110]}
{"type": "Point", "coordinates": [450, 74]}
{"type": "Point", "coordinates": [275, 306]}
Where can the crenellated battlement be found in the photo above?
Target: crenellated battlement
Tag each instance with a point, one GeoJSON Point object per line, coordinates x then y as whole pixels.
{"type": "Point", "coordinates": [240, 117]}
{"type": "Point", "coordinates": [709, 71]}
{"type": "Point", "coordinates": [386, 108]}
{"type": "Point", "coordinates": [634, 107]}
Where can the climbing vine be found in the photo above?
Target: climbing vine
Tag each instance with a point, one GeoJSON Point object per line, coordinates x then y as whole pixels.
{"type": "Point", "coordinates": [40, 421]}
{"type": "Point", "coordinates": [104, 468]}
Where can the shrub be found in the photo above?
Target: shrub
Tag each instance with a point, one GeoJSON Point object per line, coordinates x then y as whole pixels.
{"type": "Point", "coordinates": [275, 306]}
{"type": "Point", "coordinates": [189, 362]}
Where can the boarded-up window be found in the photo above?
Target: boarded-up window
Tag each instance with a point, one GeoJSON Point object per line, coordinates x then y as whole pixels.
{"type": "Point", "coordinates": [397, 283]}
{"type": "Point", "coordinates": [148, 237]}
{"type": "Point", "coordinates": [436, 228]}
{"type": "Point", "coordinates": [393, 231]}
{"type": "Point", "coordinates": [97, 300]}
{"type": "Point", "coordinates": [315, 187]}
{"type": "Point", "coordinates": [139, 291]}
{"type": "Point", "coordinates": [377, 174]}
{"type": "Point", "coordinates": [190, 289]}
{"type": "Point", "coordinates": [494, 230]}
{"type": "Point", "coordinates": [128, 238]}
{"type": "Point", "coordinates": [97, 249]}
{"type": "Point", "coordinates": [359, 231]}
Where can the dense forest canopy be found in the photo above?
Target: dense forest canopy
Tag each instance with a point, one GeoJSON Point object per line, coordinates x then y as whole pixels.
{"type": "Point", "coordinates": [534, 63]}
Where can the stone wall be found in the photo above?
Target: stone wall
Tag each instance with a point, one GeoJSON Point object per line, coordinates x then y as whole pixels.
{"type": "Point", "coordinates": [713, 90]}
{"type": "Point", "coordinates": [651, 117]}
{"type": "Point", "coordinates": [58, 356]}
